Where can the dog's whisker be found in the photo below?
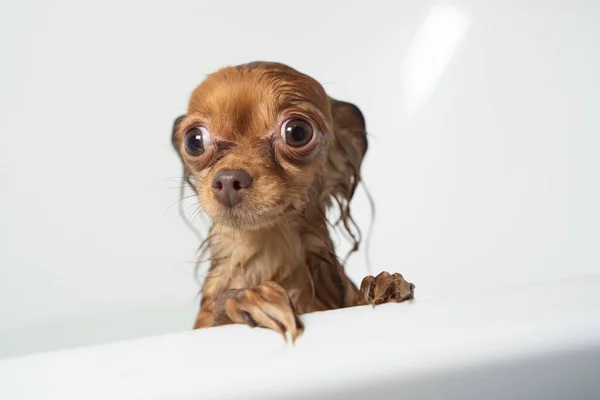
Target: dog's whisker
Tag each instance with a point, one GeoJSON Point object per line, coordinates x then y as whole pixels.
{"type": "Point", "coordinates": [180, 200]}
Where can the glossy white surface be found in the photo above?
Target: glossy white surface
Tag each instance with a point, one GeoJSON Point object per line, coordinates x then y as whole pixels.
{"type": "Point", "coordinates": [483, 157]}
{"type": "Point", "coordinates": [537, 341]}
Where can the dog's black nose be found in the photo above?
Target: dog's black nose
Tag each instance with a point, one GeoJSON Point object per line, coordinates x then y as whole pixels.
{"type": "Point", "coordinates": [228, 183]}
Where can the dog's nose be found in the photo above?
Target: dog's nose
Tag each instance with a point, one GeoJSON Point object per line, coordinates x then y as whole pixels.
{"type": "Point", "coordinates": [228, 183]}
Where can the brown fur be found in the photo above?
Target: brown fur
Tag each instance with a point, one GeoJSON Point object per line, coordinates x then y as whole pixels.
{"type": "Point", "coordinates": [278, 236]}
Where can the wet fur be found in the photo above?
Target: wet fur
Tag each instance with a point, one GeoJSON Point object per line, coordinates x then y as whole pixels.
{"type": "Point", "coordinates": [280, 232]}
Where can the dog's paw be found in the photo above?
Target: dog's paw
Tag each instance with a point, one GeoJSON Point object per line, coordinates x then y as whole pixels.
{"type": "Point", "coordinates": [267, 305]}
{"type": "Point", "coordinates": [384, 288]}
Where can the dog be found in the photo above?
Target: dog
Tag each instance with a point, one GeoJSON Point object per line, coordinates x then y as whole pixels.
{"type": "Point", "coordinates": [268, 153]}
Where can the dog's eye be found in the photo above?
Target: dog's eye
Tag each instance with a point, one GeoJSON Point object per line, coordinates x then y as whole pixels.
{"type": "Point", "coordinates": [297, 132]}
{"type": "Point", "coordinates": [196, 140]}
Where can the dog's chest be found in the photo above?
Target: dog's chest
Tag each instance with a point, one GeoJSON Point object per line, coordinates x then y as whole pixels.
{"type": "Point", "coordinates": [249, 259]}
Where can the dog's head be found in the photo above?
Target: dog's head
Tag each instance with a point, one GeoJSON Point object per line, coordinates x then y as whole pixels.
{"type": "Point", "coordinates": [262, 140]}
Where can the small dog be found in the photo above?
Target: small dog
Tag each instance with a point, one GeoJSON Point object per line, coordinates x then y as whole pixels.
{"type": "Point", "coordinates": [268, 152]}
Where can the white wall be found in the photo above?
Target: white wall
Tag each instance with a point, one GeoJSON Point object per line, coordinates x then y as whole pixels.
{"type": "Point", "coordinates": [484, 127]}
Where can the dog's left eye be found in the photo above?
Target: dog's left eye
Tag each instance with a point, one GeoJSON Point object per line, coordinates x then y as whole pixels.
{"type": "Point", "coordinates": [297, 132]}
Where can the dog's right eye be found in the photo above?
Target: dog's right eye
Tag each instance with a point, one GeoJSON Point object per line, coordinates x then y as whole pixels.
{"type": "Point", "coordinates": [196, 140]}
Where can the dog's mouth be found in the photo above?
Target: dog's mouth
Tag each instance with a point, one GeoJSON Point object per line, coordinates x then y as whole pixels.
{"type": "Point", "coordinates": [246, 217]}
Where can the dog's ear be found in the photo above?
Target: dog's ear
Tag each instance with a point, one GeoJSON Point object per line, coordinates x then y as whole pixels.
{"type": "Point", "coordinates": [347, 150]}
{"type": "Point", "coordinates": [344, 158]}
{"type": "Point", "coordinates": [174, 139]}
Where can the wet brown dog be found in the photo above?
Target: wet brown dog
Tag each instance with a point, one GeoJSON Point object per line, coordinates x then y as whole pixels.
{"type": "Point", "coordinates": [268, 152]}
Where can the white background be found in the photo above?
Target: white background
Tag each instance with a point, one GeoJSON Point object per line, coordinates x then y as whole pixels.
{"type": "Point", "coordinates": [482, 161]}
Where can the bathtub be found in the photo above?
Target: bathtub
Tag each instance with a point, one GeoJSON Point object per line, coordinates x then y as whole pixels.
{"type": "Point", "coordinates": [537, 340]}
